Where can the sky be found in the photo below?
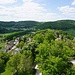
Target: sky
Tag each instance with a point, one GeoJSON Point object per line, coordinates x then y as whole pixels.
{"type": "Point", "coordinates": [37, 10]}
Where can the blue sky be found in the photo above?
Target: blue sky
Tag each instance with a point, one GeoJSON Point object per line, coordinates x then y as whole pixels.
{"type": "Point", "coordinates": [38, 10]}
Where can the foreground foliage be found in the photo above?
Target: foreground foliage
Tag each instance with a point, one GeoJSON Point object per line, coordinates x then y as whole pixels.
{"type": "Point", "coordinates": [43, 48]}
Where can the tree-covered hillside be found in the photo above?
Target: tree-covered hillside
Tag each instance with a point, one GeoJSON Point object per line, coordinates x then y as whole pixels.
{"type": "Point", "coordinates": [6, 27]}
{"type": "Point", "coordinates": [3, 30]}
{"type": "Point", "coordinates": [26, 24]}
{"type": "Point", "coordinates": [66, 25]}
{"type": "Point", "coordinates": [60, 24]}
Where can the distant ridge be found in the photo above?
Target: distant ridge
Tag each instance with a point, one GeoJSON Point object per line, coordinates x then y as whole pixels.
{"type": "Point", "coordinates": [58, 25]}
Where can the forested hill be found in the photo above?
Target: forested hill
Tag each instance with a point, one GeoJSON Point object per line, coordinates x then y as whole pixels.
{"type": "Point", "coordinates": [6, 27]}
{"type": "Point", "coordinates": [60, 24]}
{"type": "Point", "coordinates": [66, 25]}
{"type": "Point", "coordinates": [25, 24]}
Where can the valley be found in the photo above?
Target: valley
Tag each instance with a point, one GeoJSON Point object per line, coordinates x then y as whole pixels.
{"type": "Point", "coordinates": [38, 48]}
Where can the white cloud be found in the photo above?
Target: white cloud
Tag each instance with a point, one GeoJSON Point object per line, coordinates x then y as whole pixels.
{"type": "Point", "coordinates": [28, 11]}
{"type": "Point", "coordinates": [7, 1]}
{"type": "Point", "coordinates": [67, 9]}
{"type": "Point", "coordinates": [73, 3]}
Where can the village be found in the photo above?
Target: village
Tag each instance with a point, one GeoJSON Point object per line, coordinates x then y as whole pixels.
{"type": "Point", "coordinates": [11, 47]}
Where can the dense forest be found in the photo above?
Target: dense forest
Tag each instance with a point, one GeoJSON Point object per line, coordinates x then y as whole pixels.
{"type": "Point", "coordinates": [51, 50]}
{"type": "Point", "coordinates": [66, 25]}
{"type": "Point", "coordinates": [60, 25]}
{"type": "Point", "coordinates": [7, 27]}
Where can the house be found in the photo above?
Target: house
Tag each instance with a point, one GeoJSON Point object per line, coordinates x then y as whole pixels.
{"type": "Point", "coordinates": [7, 48]}
{"type": "Point", "coordinates": [32, 32]}
{"type": "Point", "coordinates": [9, 45]}
{"type": "Point", "coordinates": [74, 38]}
{"type": "Point", "coordinates": [73, 62]}
{"type": "Point", "coordinates": [60, 36]}
{"type": "Point", "coordinates": [10, 51]}
{"type": "Point", "coordinates": [29, 39]}
{"type": "Point", "coordinates": [59, 39]}
{"type": "Point", "coordinates": [37, 70]}
{"type": "Point", "coordinates": [16, 50]}
{"type": "Point", "coordinates": [16, 41]}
